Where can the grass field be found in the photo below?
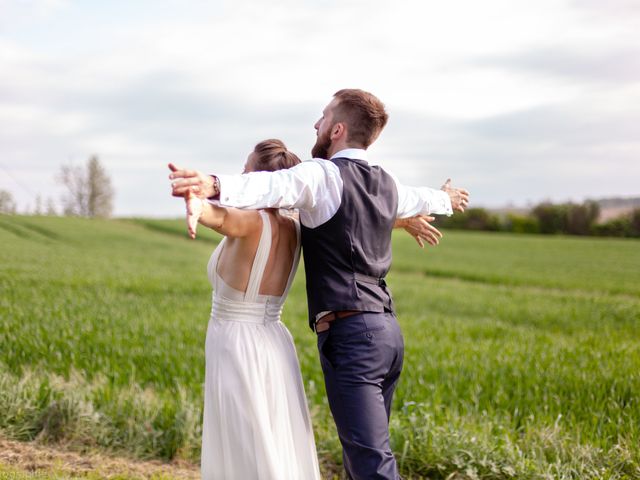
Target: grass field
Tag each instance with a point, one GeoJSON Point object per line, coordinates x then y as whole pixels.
{"type": "Point", "coordinates": [522, 352]}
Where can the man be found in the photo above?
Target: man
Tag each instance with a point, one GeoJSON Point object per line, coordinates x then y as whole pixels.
{"type": "Point", "coordinates": [347, 211]}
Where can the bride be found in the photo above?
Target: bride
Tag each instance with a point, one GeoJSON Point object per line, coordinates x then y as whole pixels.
{"type": "Point", "coordinates": [256, 421]}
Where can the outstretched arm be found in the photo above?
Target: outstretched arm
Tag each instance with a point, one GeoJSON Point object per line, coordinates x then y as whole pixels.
{"type": "Point", "coordinates": [230, 222]}
{"type": "Point", "coordinates": [426, 201]}
{"type": "Point", "coordinates": [302, 186]}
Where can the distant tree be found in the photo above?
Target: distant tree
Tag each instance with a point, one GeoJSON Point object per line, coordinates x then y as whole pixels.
{"type": "Point", "coordinates": [581, 218]}
{"type": "Point", "coordinates": [7, 204]}
{"type": "Point", "coordinates": [51, 207]}
{"type": "Point", "coordinates": [635, 222]}
{"type": "Point", "coordinates": [481, 219]}
{"type": "Point", "coordinates": [551, 218]}
{"type": "Point", "coordinates": [38, 208]}
{"type": "Point", "coordinates": [89, 190]}
{"type": "Point", "coordinates": [74, 202]}
{"type": "Point", "coordinates": [100, 194]}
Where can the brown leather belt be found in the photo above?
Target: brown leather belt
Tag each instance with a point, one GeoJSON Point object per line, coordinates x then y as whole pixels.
{"type": "Point", "coordinates": [322, 325]}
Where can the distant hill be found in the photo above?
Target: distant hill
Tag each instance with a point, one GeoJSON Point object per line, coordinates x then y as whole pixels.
{"type": "Point", "coordinates": [617, 202]}
{"type": "Point", "coordinates": [616, 206]}
{"type": "Point", "coordinates": [611, 207]}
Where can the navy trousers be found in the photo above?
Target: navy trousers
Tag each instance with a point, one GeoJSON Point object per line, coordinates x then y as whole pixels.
{"type": "Point", "coordinates": [361, 359]}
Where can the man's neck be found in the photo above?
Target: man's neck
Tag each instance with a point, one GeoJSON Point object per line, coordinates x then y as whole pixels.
{"type": "Point", "coordinates": [352, 153]}
{"type": "Point", "coordinates": [342, 146]}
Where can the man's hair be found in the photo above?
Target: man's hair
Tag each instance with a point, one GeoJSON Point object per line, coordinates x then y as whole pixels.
{"type": "Point", "coordinates": [272, 155]}
{"type": "Point", "coordinates": [363, 113]}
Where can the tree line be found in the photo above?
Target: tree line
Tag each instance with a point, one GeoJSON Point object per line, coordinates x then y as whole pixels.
{"type": "Point", "coordinates": [548, 218]}
{"type": "Point", "coordinates": [88, 193]}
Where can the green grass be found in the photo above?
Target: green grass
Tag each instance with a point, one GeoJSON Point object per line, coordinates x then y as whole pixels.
{"type": "Point", "coordinates": [522, 352]}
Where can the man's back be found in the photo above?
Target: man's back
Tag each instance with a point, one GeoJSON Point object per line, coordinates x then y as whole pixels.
{"type": "Point", "coordinates": [347, 257]}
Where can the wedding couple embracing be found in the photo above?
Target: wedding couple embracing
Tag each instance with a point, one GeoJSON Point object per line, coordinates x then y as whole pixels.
{"type": "Point", "coordinates": [256, 421]}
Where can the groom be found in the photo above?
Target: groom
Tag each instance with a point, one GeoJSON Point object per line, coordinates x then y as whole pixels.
{"type": "Point", "coordinates": [347, 211]}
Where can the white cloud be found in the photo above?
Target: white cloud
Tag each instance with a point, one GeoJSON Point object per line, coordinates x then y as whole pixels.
{"type": "Point", "coordinates": [477, 90]}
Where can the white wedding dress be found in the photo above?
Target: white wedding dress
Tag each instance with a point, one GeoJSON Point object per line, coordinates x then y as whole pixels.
{"type": "Point", "coordinates": [256, 419]}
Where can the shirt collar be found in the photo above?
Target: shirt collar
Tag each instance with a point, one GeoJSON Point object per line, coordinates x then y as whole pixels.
{"type": "Point", "coordinates": [351, 153]}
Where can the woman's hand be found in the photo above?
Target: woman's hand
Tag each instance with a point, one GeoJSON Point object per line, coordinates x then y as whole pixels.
{"type": "Point", "coordinates": [195, 208]}
{"type": "Point", "coordinates": [420, 229]}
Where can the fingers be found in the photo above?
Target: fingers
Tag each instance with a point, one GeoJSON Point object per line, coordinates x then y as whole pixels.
{"type": "Point", "coordinates": [180, 191]}
{"type": "Point", "coordinates": [183, 185]}
{"type": "Point", "coordinates": [428, 230]}
{"type": "Point", "coordinates": [425, 236]}
{"type": "Point", "coordinates": [192, 225]}
{"type": "Point", "coordinates": [173, 168]}
{"type": "Point", "coordinates": [464, 202]}
{"type": "Point", "coordinates": [434, 231]}
{"type": "Point", "coordinates": [432, 240]}
{"type": "Point", "coordinates": [417, 238]}
{"type": "Point", "coordinates": [194, 212]}
{"type": "Point", "coordinates": [177, 173]}
{"type": "Point", "coordinates": [430, 237]}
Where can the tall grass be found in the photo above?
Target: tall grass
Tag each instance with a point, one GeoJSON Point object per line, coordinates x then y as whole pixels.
{"type": "Point", "coordinates": [522, 352]}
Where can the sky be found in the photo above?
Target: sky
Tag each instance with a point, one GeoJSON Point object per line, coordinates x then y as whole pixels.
{"type": "Point", "coordinates": [517, 101]}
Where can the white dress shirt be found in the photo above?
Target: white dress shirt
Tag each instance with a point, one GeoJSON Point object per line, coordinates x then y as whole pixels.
{"type": "Point", "coordinates": [315, 188]}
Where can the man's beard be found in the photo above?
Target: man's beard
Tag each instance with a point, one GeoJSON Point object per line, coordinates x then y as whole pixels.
{"type": "Point", "coordinates": [321, 148]}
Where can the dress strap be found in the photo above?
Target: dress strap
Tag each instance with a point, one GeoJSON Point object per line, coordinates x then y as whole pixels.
{"type": "Point", "coordinates": [260, 260]}
{"type": "Point", "coordinates": [212, 266]}
{"type": "Point", "coordinates": [296, 258]}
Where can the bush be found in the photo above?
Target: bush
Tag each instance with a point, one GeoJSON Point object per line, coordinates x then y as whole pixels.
{"type": "Point", "coordinates": [624, 226]}
{"type": "Point", "coordinates": [581, 218]}
{"type": "Point", "coordinates": [472, 219]}
{"type": "Point", "coordinates": [521, 224]}
{"type": "Point", "coordinates": [551, 218]}
{"type": "Point", "coordinates": [570, 218]}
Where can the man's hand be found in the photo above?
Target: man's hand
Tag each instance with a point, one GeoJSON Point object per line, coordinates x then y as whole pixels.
{"type": "Point", "coordinates": [190, 181]}
{"type": "Point", "coordinates": [459, 196]}
{"type": "Point", "coordinates": [420, 229]}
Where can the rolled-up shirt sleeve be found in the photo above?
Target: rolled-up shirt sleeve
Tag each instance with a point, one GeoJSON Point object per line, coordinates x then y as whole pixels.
{"type": "Point", "coordinates": [298, 187]}
{"type": "Point", "coordinates": [421, 201]}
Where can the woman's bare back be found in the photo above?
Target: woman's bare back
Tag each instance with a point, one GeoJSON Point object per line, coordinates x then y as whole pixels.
{"type": "Point", "coordinates": [236, 258]}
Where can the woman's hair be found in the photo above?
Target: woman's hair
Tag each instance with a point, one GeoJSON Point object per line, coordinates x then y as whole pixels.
{"type": "Point", "coordinates": [272, 155]}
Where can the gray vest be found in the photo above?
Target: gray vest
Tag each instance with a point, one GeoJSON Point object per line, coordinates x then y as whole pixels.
{"type": "Point", "coordinates": [347, 258]}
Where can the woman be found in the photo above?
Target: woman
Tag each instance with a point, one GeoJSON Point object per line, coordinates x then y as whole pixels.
{"type": "Point", "coordinates": [256, 419]}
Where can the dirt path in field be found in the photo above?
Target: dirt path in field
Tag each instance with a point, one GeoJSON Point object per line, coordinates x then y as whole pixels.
{"type": "Point", "coordinates": [31, 457]}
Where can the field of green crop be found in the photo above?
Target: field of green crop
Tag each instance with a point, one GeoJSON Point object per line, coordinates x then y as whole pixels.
{"type": "Point", "coordinates": [522, 352]}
